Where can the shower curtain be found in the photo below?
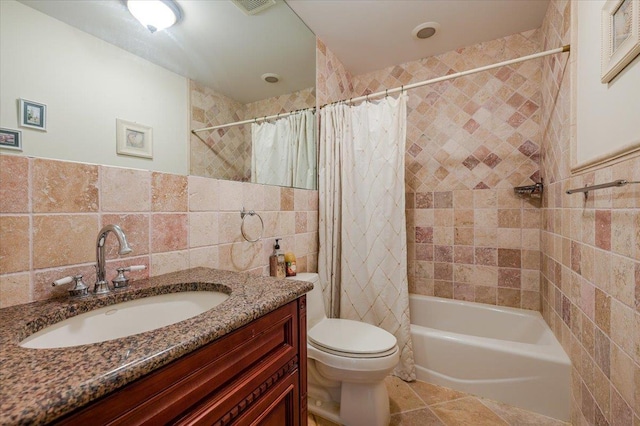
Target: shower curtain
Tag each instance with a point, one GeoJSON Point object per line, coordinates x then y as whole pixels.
{"type": "Point", "coordinates": [284, 151]}
{"type": "Point", "coordinates": [363, 248]}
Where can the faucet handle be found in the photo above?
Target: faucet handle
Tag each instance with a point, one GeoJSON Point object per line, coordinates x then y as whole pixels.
{"type": "Point", "coordinates": [80, 289]}
{"type": "Point", "coordinates": [135, 268]}
{"type": "Point", "coordinates": [121, 281]}
{"type": "Point", "coordinates": [62, 281]}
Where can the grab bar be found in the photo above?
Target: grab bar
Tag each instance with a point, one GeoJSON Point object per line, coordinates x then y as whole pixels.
{"type": "Point", "coordinates": [586, 189]}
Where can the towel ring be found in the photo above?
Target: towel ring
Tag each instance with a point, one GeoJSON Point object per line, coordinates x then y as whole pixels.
{"type": "Point", "coordinates": [243, 215]}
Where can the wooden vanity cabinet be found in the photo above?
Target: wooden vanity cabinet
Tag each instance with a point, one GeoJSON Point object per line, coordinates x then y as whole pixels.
{"type": "Point", "coordinates": [255, 375]}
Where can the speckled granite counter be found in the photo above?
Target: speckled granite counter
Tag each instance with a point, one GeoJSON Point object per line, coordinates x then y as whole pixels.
{"type": "Point", "coordinates": [39, 385]}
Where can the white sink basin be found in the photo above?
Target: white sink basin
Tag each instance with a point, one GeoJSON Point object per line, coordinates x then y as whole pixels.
{"type": "Point", "coordinates": [124, 319]}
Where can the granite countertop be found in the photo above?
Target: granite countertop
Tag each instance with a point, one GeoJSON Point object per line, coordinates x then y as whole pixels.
{"type": "Point", "coordinates": [40, 385]}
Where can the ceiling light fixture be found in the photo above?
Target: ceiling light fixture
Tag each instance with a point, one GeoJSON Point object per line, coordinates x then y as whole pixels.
{"type": "Point", "coordinates": [270, 77]}
{"type": "Point", "coordinates": [426, 30]}
{"type": "Point", "coordinates": [155, 15]}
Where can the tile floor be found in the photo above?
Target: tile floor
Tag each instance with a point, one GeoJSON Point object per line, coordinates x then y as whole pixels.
{"type": "Point", "coordinates": [424, 404]}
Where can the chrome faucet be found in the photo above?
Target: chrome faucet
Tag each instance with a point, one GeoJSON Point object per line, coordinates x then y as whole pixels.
{"type": "Point", "coordinates": [102, 286]}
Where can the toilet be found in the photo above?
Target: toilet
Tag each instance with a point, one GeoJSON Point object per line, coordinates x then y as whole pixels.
{"type": "Point", "coordinates": [347, 364]}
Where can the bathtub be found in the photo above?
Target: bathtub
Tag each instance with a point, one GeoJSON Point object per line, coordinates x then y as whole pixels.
{"type": "Point", "coordinates": [505, 354]}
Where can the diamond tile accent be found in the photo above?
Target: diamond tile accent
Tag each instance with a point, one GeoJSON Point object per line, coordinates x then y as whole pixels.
{"type": "Point", "coordinates": [333, 81]}
{"type": "Point", "coordinates": [471, 162]}
{"type": "Point", "coordinates": [480, 134]}
{"type": "Point", "coordinates": [226, 153]}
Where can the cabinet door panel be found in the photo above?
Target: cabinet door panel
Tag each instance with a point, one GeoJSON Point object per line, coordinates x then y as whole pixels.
{"type": "Point", "coordinates": [278, 408]}
{"type": "Point", "coordinates": [218, 373]}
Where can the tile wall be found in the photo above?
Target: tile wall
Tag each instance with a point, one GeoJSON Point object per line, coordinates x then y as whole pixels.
{"type": "Point", "coordinates": [590, 254]}
{"type": "Point", "coordinates": [51, 212]}
{"type": "Point", "coordinates": [469, 142]}
{"type": "Point", "coordinates": [223, 153]}
{"type": "Point", "coordinates": [226, 153]}
{"type": "Point", "coordinates": [301, 99]}
{"type": "Point", "coordinates": [333, 81]}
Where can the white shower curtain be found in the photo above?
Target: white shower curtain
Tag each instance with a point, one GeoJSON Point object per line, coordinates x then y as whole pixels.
{"type": "Point", "coordinates": [363, 247]}
{"type": "Point", "coordinates": [284, 151]}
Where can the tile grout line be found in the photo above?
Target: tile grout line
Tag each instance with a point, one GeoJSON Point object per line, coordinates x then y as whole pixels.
{"type": "Point", "coordinates": [427, 406]}
{"type": "Point", "coordinates": [490, 409]}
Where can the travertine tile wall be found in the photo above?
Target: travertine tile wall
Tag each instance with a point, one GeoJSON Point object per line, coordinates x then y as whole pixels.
{"type": "Point", "coordinates": [469, 142]}
{"type": "Point", "coordinates": [333, 81]}
{"type": "Point", "coordinates": [222, 153]}
{"type": "Point", "coordinates": [51, 212]}
{"type": "Point", "coordinates": [301, 99]}
{"type": "Point", "coordinates": [590, 254]}
{"type": "Point", "coordinates": [226, 153]}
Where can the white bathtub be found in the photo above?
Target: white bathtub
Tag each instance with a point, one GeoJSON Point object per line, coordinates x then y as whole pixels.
{"type": "Point", "coordinates": [504, 354]}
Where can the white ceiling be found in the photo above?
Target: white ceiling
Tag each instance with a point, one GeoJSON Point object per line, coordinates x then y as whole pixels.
{"type": "Point", "coordinates": [215, 43]}
{"type": "Point", "coordinates": [368, 35]}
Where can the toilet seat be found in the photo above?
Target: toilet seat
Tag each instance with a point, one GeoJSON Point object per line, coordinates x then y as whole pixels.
{"type": "Point", "coordinates": [352, 339]}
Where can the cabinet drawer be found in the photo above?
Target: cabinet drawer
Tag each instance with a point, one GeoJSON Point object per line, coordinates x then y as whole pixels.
{"type": "Point", "coordinates": [236, 363]}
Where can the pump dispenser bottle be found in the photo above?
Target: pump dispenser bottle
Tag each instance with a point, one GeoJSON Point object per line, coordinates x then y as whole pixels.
{"type": "Point", "coordinates": [276, 262]}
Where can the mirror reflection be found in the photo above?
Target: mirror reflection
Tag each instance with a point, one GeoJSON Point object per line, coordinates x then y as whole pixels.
{"type": "Point", "coordinates": [91, 63]}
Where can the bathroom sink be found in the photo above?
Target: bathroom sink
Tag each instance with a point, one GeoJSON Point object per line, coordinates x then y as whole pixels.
{"type": "Point", "coordinates": [124, 319]}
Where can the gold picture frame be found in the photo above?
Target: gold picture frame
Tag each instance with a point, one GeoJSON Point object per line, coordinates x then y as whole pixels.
{"type": "Point", "coordinates": [620, 36]}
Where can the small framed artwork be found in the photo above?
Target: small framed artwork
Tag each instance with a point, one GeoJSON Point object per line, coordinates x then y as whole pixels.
{"type": "Point", "coordinates": [134, 139]}
{"type": "Point", "coordinates": [10, 139]}
{"type": "Point", "coordinates": [620, 36]}
{"type": "Point", "coordinates": [33, 115]}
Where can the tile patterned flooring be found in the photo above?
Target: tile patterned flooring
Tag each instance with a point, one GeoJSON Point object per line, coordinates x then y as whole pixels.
{"type": "Point", "coordinates": [424, 404]}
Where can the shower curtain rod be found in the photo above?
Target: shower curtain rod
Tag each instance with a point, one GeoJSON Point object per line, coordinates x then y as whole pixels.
{"type": "Point", "coordinates": [562, 49]}
{"type": "Point", "coordinates": [252, 120]}
{"type": "Point", "coordinates": [565, 48]}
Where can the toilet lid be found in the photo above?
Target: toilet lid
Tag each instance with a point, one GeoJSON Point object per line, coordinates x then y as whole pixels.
{"type": "Point", "coordinates": [351, 337]}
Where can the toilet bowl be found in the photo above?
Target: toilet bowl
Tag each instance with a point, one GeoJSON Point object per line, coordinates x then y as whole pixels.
{"type": "Point", "coordinates": [347, 364]}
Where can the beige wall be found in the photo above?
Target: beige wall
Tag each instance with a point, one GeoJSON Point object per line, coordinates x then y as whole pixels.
{"type": "Point", "coordinates": [607, 114]}
{"type": "Point", "coordinates": [87, 84]}
{"type": "Point", "coordinates": [51, 212]}
{"type": "Point", "coordinates": [590, 250]}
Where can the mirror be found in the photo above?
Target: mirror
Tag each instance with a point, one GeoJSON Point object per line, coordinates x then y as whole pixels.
{"type": "Point", "coordinates": [91, 63]}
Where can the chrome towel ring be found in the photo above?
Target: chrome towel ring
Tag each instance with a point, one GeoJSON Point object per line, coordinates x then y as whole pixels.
{"type": "Point", "coordinates": [243, 215]}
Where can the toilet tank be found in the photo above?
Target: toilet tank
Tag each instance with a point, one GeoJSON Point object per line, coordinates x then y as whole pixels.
{"type": "Point", "coordinates": [315, 300]}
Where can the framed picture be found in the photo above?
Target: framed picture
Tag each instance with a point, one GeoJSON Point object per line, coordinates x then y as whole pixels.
{"type": "Point", "coordinates": [620, 36]}
{"type": "Point", "coordinates": [33, 115]}
{"type": "Point", "coordinates": [10, 139]}
{"type": "Point", "coordinates": [134, 139]}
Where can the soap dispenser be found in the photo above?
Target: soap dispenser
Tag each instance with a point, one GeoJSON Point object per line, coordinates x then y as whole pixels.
{"type": "Point", "coordinates": [276, 262]}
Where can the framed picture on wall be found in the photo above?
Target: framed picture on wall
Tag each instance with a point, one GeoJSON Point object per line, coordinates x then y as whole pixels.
{"type": "Point", "coordinates": [134, 139]}
{"type": "Point", "coordinates": [620, 36]}
{"type": "Point", "coordinates": [10, 139]}
{"type": "Point", "coordinates": [32, 115]}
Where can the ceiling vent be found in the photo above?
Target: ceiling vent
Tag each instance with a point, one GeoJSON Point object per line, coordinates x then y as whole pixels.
{"type": "Point", "coordinates": [253, 7]}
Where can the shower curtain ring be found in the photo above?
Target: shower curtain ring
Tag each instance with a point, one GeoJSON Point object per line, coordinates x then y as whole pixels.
{"type": "Point", "coordinates": [386, 93]}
